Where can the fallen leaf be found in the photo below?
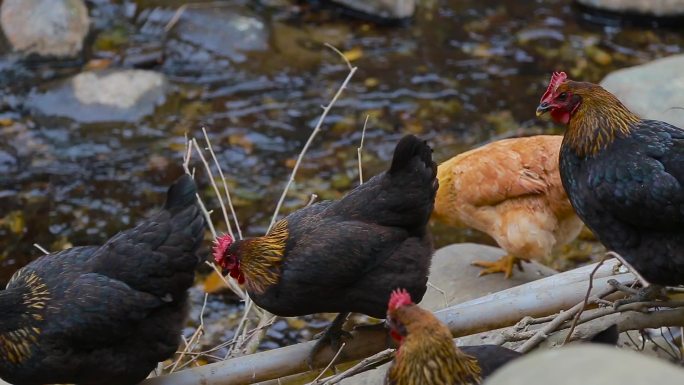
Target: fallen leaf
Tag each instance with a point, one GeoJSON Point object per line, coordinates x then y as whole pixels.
{"type": "Point", "coordinates": [214, 283]}
{"type": "Point", "coordinates": [353, 54]}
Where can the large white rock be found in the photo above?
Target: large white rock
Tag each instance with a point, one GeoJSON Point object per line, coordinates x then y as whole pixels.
{"type": "Point", "coordinates": [386, 9]}
{"type": "Point", "coordinates": [649, 7]}
{"type": "Point", "coordinates": [45, 27]}
{"type": "Point", "coordinates": [654, 90]}
{"type": "Point", "coordinates": [453, 273]}
{"type": "Point", "coordinates": [588, 365]}
{"type": "Point", "coordinates": [117, 95]}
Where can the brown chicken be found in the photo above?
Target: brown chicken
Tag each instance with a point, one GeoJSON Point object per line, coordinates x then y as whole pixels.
{"type": "Point", "coordinates": [511, 190]}
{"type": "Point", "coordinates": [346, 255]}
{"type": "Point", "coordinates": [427, 354]}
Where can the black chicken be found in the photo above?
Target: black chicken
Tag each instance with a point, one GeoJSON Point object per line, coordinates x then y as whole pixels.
{"type": "Point", "coordinates": [104, 314]}
{"type": "Point", "coordinates": [346, 255]}
{"type": "Point", "coordinates": [624, 175]}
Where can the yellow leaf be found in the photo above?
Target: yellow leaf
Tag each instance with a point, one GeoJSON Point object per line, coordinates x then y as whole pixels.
{"type": "Point", "coordinates": [353, 54]}
{"type": "Point", "coordinates": [371, 82]}
{"type": "Point", "coordinates": [214, 283]}
{"type": "Point", "coordinates": [15, 222]}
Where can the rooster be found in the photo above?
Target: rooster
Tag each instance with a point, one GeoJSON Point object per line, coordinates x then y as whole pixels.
{"type": "Point", "coordinates": [624, 176]}
{"type": "Point", "coordinates": [511, 190]}
{"type": "Point", "coordinates": [347, 255]}
{"type": "Point", "coordinates": [104, 314]}
{"type": "Point", "coordinates": [427, 354]}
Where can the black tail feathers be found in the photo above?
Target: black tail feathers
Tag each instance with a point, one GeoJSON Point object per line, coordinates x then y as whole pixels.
{"type": "Point", "coordinates": [408, 148]}
{"type": "Point", "coordinates": [181, 194]}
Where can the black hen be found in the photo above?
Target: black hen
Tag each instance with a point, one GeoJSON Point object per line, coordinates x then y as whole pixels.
{"type": "Point", "coordinates": [346, 255]}
{"type": "Point", "coordinates": [104, 314]}
{"type": "Point", "coordinates": [623, 175]}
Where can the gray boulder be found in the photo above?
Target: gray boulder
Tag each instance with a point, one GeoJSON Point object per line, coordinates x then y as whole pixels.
{"type": "Point", "coordinates": [659, 8]}
{"type": "Point", "coordinates": [211, 36]}
{"type": "Point", "coordinates": [117, 95]}
{"type": "Point", "coordinates": [45, 27]}
{"type": "Point", "coordinates": [587, 365]}
{"type": "Point", "coordinates": [654, 90]}
{"type": "Point", "coordinates": [385, 9]}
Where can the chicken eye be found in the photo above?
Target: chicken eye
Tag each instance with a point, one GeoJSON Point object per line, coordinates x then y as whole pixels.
{"type": "Point", "coordinates": [562, 96]}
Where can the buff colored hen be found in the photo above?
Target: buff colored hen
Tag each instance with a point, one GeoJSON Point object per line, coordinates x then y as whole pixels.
{"type": "Point", "coordinates": [511, 190]}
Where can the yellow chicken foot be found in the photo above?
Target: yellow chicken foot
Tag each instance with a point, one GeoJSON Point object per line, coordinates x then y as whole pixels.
{"type": "Point", "coordinates": [332, 336]}
{"type": "Point", "coordinates": [503, 265]}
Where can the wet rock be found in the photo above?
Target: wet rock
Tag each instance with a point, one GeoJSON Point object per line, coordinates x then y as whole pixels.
{"type": "Point", "coordinates": [452, 273]}
{"type": "Point", "coordinates": [7, 162]}
{"type": "Point", "coordinates": [385, 9]}
{"type": "Point", "coordinates": [654, 90]}
{"type": "Point", "coordinates": [587, 365]}
{"type": "Point", "coordinates": [118, 95]}
{"type": "Point", "coordinates": [652, 7]}
{"type": "Point", "coordinates": [209, 37]}
{"type": "Point", "coordinates": [45, 27]}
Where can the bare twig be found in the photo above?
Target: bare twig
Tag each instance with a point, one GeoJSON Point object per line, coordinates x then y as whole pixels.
{"type": "Point", "coordinates": [193, 340]}
{"type": "Point", "coordinates": [446, 301]}
{"type": "Point", "coordinates": [644, 282]}
{"type": "Point", "coordinates": [360, 148]}
{"type": "Point", "coordinates": [315, 381]}
{"type": "Point", "coordinates": [311, 200]}
{"type": "Point", "coordinates": [552, 326]}
{"type": "Point", "coordinates": [498, 310]}
{"type": "Point", "coordinates": [225, 185]}
{"type": "Point", "coordinates": [181, 10]}
{"type": "Point", "coordinates": [586, 299]}
{"type": "Point", "coordinates": [39, 247]}
{"type": "Point", "coordinates": [332, 47]}
{"type": "Point", "coordinates": [326, 110]}
{"type": "Point", "coordinates": [364, 365]}
{"type": "Point", "coordinates": [213, 184]}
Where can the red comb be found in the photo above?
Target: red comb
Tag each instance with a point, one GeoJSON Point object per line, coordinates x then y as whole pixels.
{"type": "Point", "coordinates": [399, 298]}
{"type": "Point", "coordinates": [556, 79]}
{"type": "Point", "coordinates": [221, 244]}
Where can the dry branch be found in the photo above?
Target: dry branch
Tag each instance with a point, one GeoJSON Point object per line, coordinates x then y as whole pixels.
{"type": "Point", "coordinates": [536, 299]}
{"type": "Point", "coordinates": [326, 110]}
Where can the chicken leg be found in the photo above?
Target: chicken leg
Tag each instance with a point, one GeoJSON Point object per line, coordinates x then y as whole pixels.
{"type": "Point", "coordinates": [503, 265]}
{"type": "Point", "coordinates": [332, 336]}
{"type": "Point", "coordinates": [645, 294]}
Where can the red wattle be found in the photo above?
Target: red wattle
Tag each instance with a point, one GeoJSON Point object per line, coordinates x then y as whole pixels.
{"type": "Point", "coordinates": [397, 337]}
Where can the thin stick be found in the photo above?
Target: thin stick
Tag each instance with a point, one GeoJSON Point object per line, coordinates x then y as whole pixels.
{"type": "Point", "coordinates": [243, 320]}
{"type": "Point", "coordinates": [315, 381]}
{"type": "Point", "coordinates": [552, 326]}
{"type": "Point", "coordinates": [586, 299]}
{"type": "Point", "coordinates": [311, 200]}
{"type": "Point", "coordinates": [326, 110]}
{"type": "Point", "coordinates": [39, 247]}
{"type": "Point", "coordinates": [230, 283]}
{"type": "Point", "coordinates": [195, 337]}
{"type": "Point", "coordinates": [181, 10]}
{"type": "Point", "coordinates": [213, 184]}
{"type": "Point", "coordinates": [446, 302]}
{"type": "Point", "coordinates": [362, 366]}
{"type": "Point", "coordinates": [644, 282]}
{"type": "Point", "coordinates": [223, 179]}
{"type": "Point", "coordinates": [186, 167]}
{"type": "Point", "coordinates": [360, 148]}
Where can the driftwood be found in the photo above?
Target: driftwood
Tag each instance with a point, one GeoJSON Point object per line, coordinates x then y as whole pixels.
{"type": "Point", "coordinates": [540, 298]}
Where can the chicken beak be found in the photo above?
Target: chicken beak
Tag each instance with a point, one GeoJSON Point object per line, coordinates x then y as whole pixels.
{"type": "Point", "coordinates": [543, 108]}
